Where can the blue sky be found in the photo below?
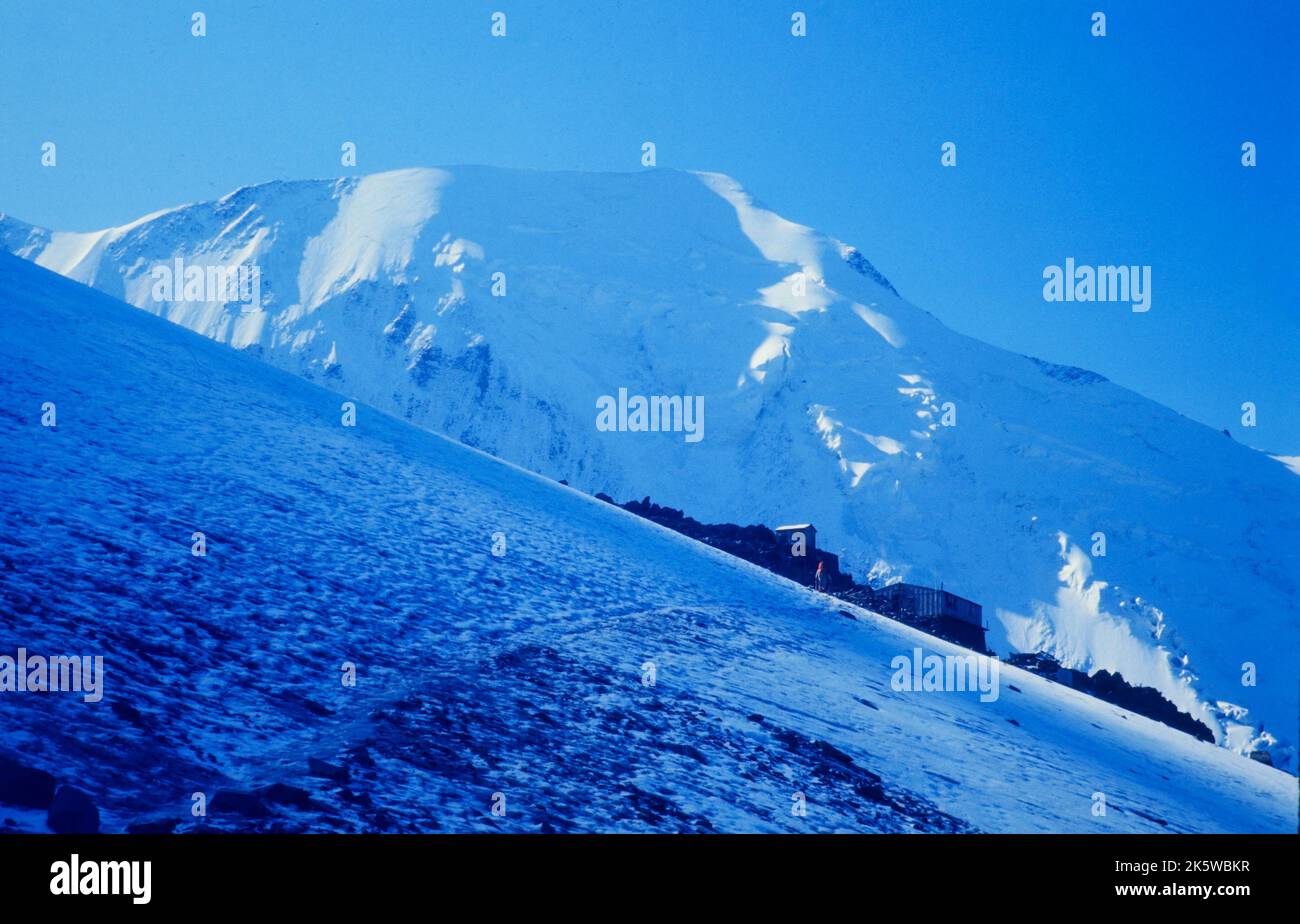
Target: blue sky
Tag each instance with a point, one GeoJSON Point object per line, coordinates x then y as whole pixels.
{"type": "Point", "coordinates": [1122, 149]}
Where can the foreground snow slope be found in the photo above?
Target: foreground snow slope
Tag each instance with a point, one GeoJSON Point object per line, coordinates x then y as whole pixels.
{"type": "Point", "coordinates": [824, 395]}
{"type": "Point", "coordinates": [520, 674]}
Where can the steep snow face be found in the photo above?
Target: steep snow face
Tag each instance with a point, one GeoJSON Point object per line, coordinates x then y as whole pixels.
{"type": "Point", "coordinates": [600, 673]}
{"type": "Point", "coordinates": [498, 307]}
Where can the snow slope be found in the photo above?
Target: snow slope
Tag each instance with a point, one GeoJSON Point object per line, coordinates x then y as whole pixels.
{"type": "Point", "coordinates": [824, 400]}
{"type": "Point", "coordinates": [519, 674]}
{"type": "Point", "coordinates": [477, 675]}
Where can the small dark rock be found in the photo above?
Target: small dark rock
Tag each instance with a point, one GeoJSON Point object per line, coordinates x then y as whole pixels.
{"type": "Point", "coordinates": [1154, 818]}
{"type": "Point", "coordinates": [72, 812]}
{"type": "Point", "coordinates": [127, 712]}
{"type": "Point", "coordinates": [317, 709]}
{"type": "Point", "coordinates": [831, 751]}
{"type": "Point", "coordinates": [361, 756]}
{"type": "Point", "coordinates": [284, 794]}
{"type": "Point", "coordinates": [25, 787]}
{"type": "Point", "coordinates": [686, 751]}
{"type": "Point", "coordinates": [327, 771]}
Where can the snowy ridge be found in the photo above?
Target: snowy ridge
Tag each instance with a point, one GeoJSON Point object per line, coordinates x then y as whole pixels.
{"type": "Point", "coordinates": [825, 395]}
{"type": "Point", "coordinates": [519, 674]}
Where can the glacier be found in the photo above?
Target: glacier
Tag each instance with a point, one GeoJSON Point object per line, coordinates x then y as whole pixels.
{"type": "Point", "coordinates": [829, 400]}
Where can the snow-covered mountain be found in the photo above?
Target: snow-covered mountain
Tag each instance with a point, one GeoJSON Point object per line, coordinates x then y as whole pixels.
{"type": "Point", "coordinates": [498, 306]}
{"type": "Point", "coordinates": [518, 680]}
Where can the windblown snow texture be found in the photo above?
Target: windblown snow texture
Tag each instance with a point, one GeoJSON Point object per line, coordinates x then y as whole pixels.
{"type": "Point", "coordinates": [477, 675]}
{"type": "Point", "coordinates": [825, 397]}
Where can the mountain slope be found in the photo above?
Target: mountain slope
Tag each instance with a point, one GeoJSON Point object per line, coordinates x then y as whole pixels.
{"type": "Point", "coordinates": [825, 399]}
{"type": "Point", "coordinates": [518, 674]}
